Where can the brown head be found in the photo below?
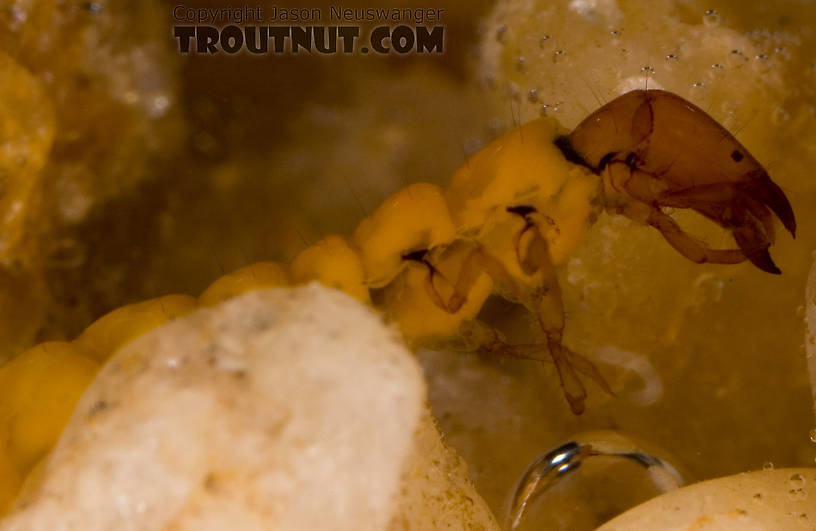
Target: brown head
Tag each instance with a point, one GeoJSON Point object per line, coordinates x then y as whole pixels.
{"type": "Point", "coordinates": [658, 150]}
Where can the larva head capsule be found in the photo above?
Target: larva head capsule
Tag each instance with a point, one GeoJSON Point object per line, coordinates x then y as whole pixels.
{"type": "Point", "coordinates": [656, 149]}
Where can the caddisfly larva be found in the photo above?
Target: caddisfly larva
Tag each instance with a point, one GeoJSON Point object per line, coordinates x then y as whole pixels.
{"type": "Point", "coordinates": [430, 257]}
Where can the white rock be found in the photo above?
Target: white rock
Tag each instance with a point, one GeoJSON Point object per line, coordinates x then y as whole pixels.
{"type": "Point", "coordinates": [761, 500]}
{"type": "Point", "coordinates": [279, 409]}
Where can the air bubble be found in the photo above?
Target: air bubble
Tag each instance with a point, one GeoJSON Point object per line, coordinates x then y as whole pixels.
{"type": "Point", "coordinates": [768, 465]}
{"type": "Point", "coordinates": [18, 16]}
{"type": "Point", "coordinates": [543, 110]}
{"type": "Point", "coordinates": [544, 41]}
{"type": "Point", "coordinates": [615, 33]}
{"type": "Point", "coordinates": [532, 96]}
{"type": "Point", "coordinates": [500, 33]}
{"type": "Point", "coordinates": [158, 105]}
{"type": "Point", "coordinates": [813, 435]}
{"type": "Point", "coordinates": [512, 92]}
{"type": "Point", "coordinates": [760, 57]}
{"type": "Point", "coordinates": [711, 17]}
{"type": "Point", "coordinates": [92, 7]}
{"type": "Point", "coordinates": [698, 84]}
{"type": "Point", "coordinates": [557, 55]}
{"type": "Point", "coordinates": [779, 116]}
{"type": "Point", "coordinates": [671, 57]}
{"type": "Point", "coordinates": [131, 97]}
{"type": "Point", "coordinates": [521, 65]}
{"type": "Point", "coordinates": [717, 66]}
{"type": "Point", "coordinates": [647, 70]}
{"type": "Point", "coordinates": [735, 58]}
{"type": "Point", "coordinates": [796, 481]}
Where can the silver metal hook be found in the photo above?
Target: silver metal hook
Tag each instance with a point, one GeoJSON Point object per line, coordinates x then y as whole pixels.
{"type": "Point", "coordinates": [549, 468]}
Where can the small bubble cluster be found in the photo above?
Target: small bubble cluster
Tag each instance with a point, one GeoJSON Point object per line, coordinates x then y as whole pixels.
{"type": "Point", "coordinates": [796, 486]}
{"type": "Point", "coordinates": [797, 494]}
{"type": "Point", "coordinates": [796, 481]}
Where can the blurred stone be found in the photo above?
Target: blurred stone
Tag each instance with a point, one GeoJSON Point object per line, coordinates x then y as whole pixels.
{"type": "Point", "coordinates": [436, 491]}
{"type": "Point", "coordinates": [26, 133]}
{"type": "Point", "coordinates": [765, 499]}
{"type": "Point", "coordinates": [87, 112]}
{"type": "Point", "coordinates": [291, 409]}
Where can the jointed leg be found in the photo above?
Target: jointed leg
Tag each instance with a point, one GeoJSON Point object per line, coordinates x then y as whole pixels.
{"type": "Point", "coordinates": [730, 205]}
{"type": "Point", "coordinates": [540, 352]}
{"type": "Point", "coordinates": [647, 210]}
{"type": "Point", "coordinates": [474, 265]}
{"type": "Point", "coordinates": [687, 245]}
{"type": "Point", "coordinates": [549, 309]}
{"type": "Point", "coordinates": [544, 301]}
{"type": "Point", "coordinates": [749, 234]}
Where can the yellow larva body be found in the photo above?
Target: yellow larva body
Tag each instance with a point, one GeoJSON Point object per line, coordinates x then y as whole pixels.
{"type": "Point", "coordinates": [428, 257]}
{"type": "Point", "coordinates": [521, 168]}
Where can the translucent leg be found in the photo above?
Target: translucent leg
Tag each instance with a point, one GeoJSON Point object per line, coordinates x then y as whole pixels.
{"type": "Point", "coordinates": [543, 300]}
{"type": "Point", "coordinates": [689, 246]}
{"type": "Point", "coordinates": [476, 263]}
{"type": "Point", "coordinates": [736, 207]}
